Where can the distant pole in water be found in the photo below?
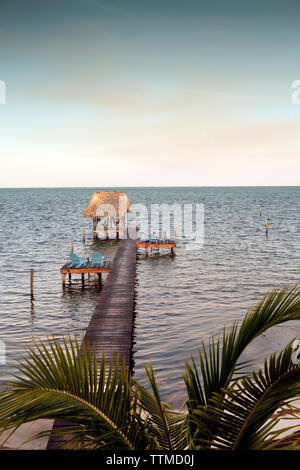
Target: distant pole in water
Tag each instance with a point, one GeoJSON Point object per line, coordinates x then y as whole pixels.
{"type": "Point", "coordinates": [83, 238]}
{"type": "Point", "coordinates": [261, 212]}
{"type": "Point", "coordinates": [31, 283]}
{"type": "Point", "coordinates": [267, 227]}
{"type": "Point", "coordinates": [72, 247]}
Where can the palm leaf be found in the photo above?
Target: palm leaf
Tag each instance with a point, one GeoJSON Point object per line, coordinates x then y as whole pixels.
{"type": "Point", "coordinates": [63, 382]}
{"type": "Point", "coordinates": [240, 418]}
{"type": "Point", "coordinates": [218, 364]}
{"type": "Point", "coordinates": [166, 427]}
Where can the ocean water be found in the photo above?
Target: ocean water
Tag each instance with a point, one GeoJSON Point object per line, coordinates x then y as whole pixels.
{"type": "Point", "coordinates": [179, 299]}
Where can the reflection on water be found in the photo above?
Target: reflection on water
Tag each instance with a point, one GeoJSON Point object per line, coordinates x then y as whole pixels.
{"type": "Point", "coordinates": [179, 299]}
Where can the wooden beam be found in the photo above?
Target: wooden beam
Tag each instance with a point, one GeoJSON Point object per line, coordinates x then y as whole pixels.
{"type": "Point", "coordinates": [83, 270]}
{"type": "Point", "coordinates": [156, 245]}
{"type": "Point", "coordinates": [105, 230]}
{"type": "Point", "coordinates": [31, 282]}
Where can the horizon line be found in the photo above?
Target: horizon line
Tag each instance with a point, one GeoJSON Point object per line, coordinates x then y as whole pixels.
{"type": "Point", "coordinates": [149, 186]}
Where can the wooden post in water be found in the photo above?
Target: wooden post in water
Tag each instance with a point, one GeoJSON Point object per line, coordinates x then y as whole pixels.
{"type": "Point", "coordinates": [267, 227]}
{"type": "Point", "coordinates": [72, 247]}
{"type": "Point", "coordinates": [261, 212]}
{"type": "Point", "coordinates": [94, 228]}
{"type": "Point", "coordinates": [31, 282]}
{"type": "Point", "coordinates": [83, 237]}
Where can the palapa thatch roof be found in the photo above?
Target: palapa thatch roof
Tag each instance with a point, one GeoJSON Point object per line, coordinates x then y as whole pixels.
{"type": "Point", "coordinates": [103, 201]}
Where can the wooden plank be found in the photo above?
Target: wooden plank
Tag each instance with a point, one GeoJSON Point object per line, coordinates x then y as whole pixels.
{"type": "Point", "coordinates": [111, 326]}
{"type": "Point", "coordinates": [83, 270]}
{"type": "Point", "coordinates": [106, 264]}
{"type": "Point", "coordinates": [109, 230]}
{"type": "Point", "coordinates": [156, 245]}
{"type": "Point", "coordinates": [86, 268]}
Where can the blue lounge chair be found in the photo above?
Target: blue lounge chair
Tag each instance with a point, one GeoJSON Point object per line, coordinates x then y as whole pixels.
{"type": "Point", "coordinates": [97, 258]}
{"type": "Point", "coordinates": [153, 239]}
{"type": "Point", "coordinates": [76, 262]}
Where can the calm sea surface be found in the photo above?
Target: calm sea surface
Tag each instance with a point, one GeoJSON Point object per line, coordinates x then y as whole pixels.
{"type": "Point", "coordinates": [180, 299]}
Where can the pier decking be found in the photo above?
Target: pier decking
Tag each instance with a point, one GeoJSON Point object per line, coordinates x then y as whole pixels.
{"type": "Point", "coordinates": [111, 325]}
{"type": "Point", "coordinates": [160, 244]}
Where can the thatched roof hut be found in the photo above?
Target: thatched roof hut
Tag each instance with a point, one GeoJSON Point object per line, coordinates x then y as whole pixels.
{"type": "Point", "coordinates": [102, 201]}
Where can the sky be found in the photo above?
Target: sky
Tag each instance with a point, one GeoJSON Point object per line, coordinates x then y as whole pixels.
{"type": "Point", "coordinates": [139, 93]}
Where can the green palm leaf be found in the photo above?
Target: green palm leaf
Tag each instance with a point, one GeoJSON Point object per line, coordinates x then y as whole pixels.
{"type": "Point", "coordinates": [227, 408]}
{"type": "Point", "coordinates": [240, 417]}
{"type": "Point", "coordinates": [219, 362]}
{"type": "Point", "coordinates": [64, 383]}
{"type": "Point", "coordinates": [166, 427]}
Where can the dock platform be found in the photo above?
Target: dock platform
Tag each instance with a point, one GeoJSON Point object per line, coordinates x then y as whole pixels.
{"type": "Point", "coordinates": [87, 268]}
{"type": "Point", "coordinates": [161, 244]}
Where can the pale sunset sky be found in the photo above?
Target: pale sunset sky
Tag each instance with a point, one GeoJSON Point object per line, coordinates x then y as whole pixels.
{"type": "Point", "coordinates": [149, 93]}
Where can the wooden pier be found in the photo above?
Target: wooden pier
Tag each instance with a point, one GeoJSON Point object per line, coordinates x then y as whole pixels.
{"type": "Point", "coordinates": [147, 244]}
{"type": "Point", "coordinates": [87, 268]}
{"type": "Point", "coordinates": [111, 326]}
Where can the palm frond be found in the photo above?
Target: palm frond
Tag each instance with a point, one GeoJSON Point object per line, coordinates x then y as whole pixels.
{"type": "Point", "coordinates": [228, 408]}
{"type": "Point", "coordinates": [240, 418]}
{"type": "Point", "coordinates": [218, 362]}
{"type": "Point", "coordinates": [165, 426]}
{"type": "Point", "coordinates": [63, 382]}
